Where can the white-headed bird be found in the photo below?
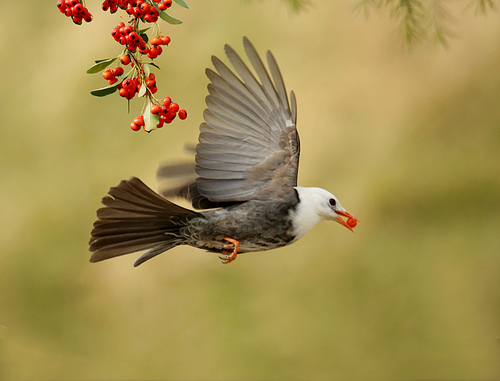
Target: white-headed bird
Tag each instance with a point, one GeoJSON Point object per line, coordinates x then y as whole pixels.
{"type": "Point", "coordinates": [246, 164]}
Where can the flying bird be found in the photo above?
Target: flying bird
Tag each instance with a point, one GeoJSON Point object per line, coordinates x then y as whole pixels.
{"type": "Point", "coordinates": [246, 186]}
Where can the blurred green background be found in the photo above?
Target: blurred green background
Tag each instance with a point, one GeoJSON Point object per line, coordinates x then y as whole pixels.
{"type": "Point", "coordinates": [409, 142]}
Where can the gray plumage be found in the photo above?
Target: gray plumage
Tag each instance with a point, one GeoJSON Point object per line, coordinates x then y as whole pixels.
{"type": "Point", "coordinates": [246, 171]}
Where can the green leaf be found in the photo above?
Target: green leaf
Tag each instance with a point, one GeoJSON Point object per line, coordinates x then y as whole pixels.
{"type": "Point", "coordinates": [98, 61]}
{"type": "Point", "coordinates": [105, 90]}
{"type": "Point", "coordinates": [147, 70]}
{"type": "Point", "coordinates": [171, 20]}
{"type": "Point", "coordinates": [150, 120]}
{"type": "Point", "coordinates": [141, 31]}
{"type": "Point", "coordinates": [142, 90]}
{"type": "Point", "coordinates": [145, 37]}
{"type": "Point", "coordinates": [101, 65]}
{"type": "Point", "coordinates": [182, 3]}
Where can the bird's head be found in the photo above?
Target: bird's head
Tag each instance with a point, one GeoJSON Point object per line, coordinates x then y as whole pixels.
{"type": "Point", "coordinates": [321, 204]}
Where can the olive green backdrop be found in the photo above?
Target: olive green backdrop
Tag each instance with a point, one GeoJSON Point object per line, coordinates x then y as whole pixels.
{"type": "Point", "coordinates": [409, 143]}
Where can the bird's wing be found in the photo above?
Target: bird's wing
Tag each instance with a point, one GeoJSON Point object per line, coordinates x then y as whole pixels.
{"type": "Point", "coordinates": [248, 146]}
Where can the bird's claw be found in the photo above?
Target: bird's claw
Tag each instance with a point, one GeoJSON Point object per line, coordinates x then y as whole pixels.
{"type": "Point", "coordinates": [233, 246]}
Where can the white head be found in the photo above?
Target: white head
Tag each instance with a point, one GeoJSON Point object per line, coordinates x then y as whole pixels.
{"type": "Point", "coordinates": [316, 204]}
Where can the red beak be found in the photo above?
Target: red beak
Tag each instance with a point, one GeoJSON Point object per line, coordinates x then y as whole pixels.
{"type": "Point", "coordinates": [351, 220]}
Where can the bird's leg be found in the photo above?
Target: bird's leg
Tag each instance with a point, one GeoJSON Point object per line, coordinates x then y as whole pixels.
{"type": "Point", "coordinates": [234, 245]}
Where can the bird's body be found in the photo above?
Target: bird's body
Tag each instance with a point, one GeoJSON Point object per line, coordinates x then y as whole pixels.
{"type": "Point", "coordinates": [256, 225]}
{"type": "Point", "coordinates": [246, 166]}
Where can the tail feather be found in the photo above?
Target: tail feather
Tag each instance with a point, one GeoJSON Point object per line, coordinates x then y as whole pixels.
{"type": "Point", "coordinates": [154, 252]}
{"type": "Point", "coordinates": [136, 218]}
{"type": "Point", "coordinates": [112, 227]}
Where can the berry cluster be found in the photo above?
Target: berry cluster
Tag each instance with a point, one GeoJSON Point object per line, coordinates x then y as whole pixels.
{"type": "Point", "coordinates": [110, 75]}
{"type": "Point", "coordinates": [131, 86]}
{"type": "Point", "coordinates": [138, 8]}
{"type": "Point", "coordinates": [75, 9]}
{"type": "Point", "coordinates": [139, 45]}
{"type": "Point", "coordinates": [139, 81]}
{"type": "Point", "coordinates": [126, 35]}
{"type": "Point", "coordinates": [156, 49]}
{"type": "Point", "coordinates": [168, 111]}
{"type": "Point", "coordinates": [165, 114]}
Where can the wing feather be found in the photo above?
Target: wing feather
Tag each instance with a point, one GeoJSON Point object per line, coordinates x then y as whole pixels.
{"type": "Point", "coordinates": [226, 99]}
{"type": "Point", "coordinates": [248, 147]}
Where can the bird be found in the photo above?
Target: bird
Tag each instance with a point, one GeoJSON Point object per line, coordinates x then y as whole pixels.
{"type": "Point", "coordinates": [245, 192]}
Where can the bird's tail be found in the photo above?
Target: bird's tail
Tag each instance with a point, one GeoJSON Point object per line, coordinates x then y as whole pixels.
{"type": "Point", "coordinates": [136, 218]}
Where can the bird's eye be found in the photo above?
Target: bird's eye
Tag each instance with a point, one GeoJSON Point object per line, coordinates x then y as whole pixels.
{"type": "Point", "coordinates": [332, 202]}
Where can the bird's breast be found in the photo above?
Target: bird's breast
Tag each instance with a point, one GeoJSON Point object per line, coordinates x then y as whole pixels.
{"type": "Point", "coordinates": [304, 218]}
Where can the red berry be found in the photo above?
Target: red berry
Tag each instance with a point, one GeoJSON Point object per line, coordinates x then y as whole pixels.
{"type": "Point", "coordinates": [128, 84]}
{"type": "Point", "coordinates": [125, 59]}
{"type": "Point", "coordinates": [61, 5]}
{"type": "Point", "coordinates": [165, 40]}
{"type": "Point", "coordinates": [156, 41]}
{"type": "Point", "coordinates": [123, 92]}
{"type": "Point", "coordinates": [133, 38]}
{"type": "Point", "coordinates": [351, 222]}
{"type": "Point", "coordinates": [143, 49]}
{"type": "Point", "coordinates": [139, 120]}
{"type": "Point", "coordinates": [145, 7]}
{"type": "Point", "coordinates": [166, 101]}
{"type": "Point", "coordinates": [117, 71]}
{"type": "Point", "coordinates": [182, 114]}
{"type": "Point", "coordinates": [138, 12]}
{"type": "Point", "coordinates": [150, 18]}
{"type": "Point", "coordinates": [112, 81]}
{"type": "Point", "coordinates": [174, 107]}
{"type": "Point", "coordinates": [155, 51]}
{"type": "Point", "coordinates": [155, 109]}
{"type": "Point", "coordinates": [169, 119]}
{"type": "Point", "coordinates": [164, 111]}
{"type": "Point", "coordinates": [108, 74]}
{"type": "Point", "coordinates": [134, 126]}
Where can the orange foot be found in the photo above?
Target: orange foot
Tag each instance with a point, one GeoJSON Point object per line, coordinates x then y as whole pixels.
{"type": "Point", "coordinates": [234, 246]}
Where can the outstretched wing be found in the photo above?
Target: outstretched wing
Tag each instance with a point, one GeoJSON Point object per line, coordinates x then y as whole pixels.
{"type": "Point", "coordinates": [248, 146]}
